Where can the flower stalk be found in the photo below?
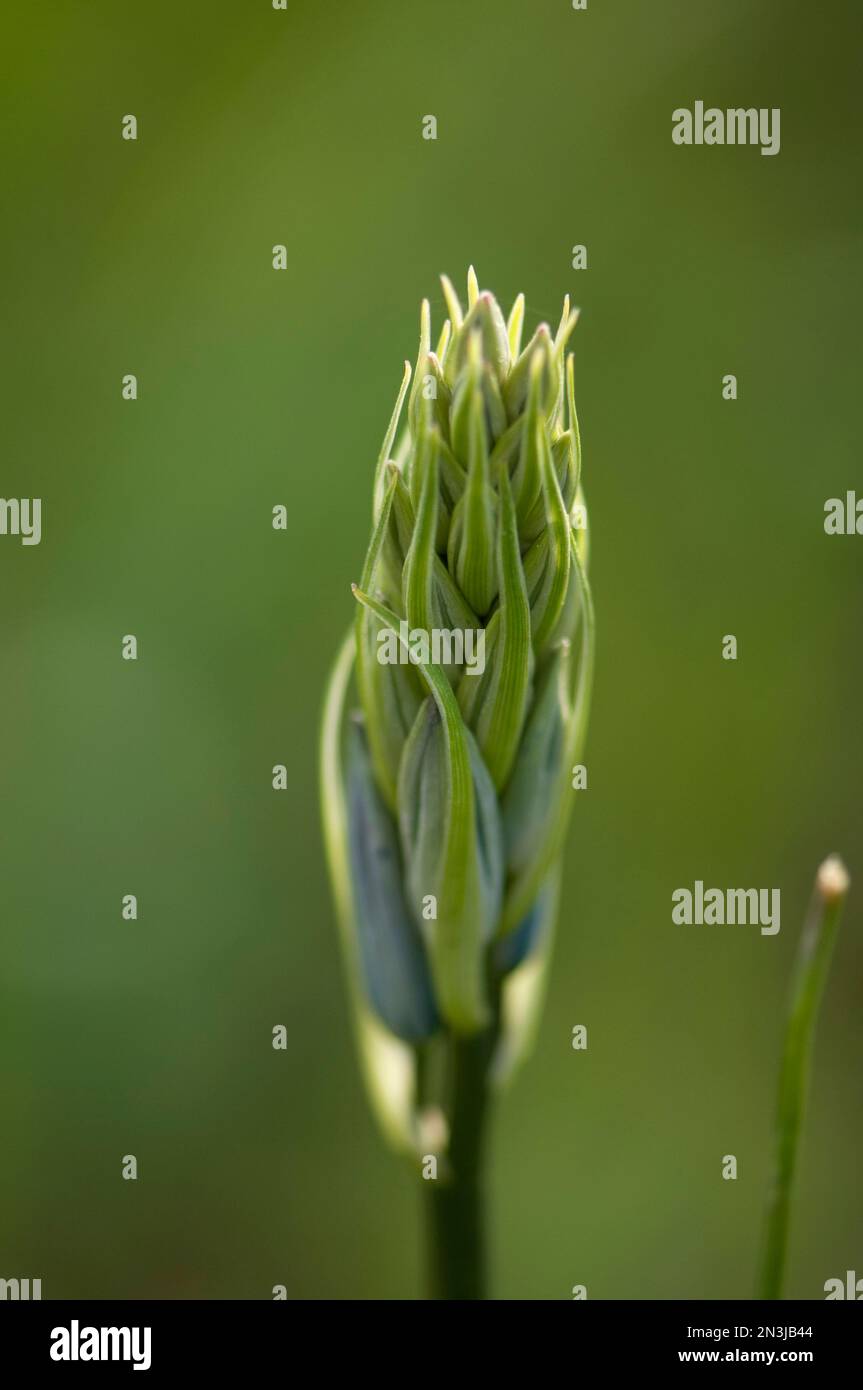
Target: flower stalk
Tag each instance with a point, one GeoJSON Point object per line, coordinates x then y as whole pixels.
{"type": "Point", "coordinates": [813, 963]}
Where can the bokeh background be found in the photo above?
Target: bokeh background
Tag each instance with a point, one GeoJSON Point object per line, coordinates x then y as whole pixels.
{"type": "Point", "coordinates": [256, 127]}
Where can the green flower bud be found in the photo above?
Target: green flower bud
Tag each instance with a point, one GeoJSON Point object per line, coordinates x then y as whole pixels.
{"type": "Point", "coordinates": [474, 589]}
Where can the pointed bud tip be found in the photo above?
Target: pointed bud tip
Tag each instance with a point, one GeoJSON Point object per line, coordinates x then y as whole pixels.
{"type": "Point", "coordinates": [833, 879]}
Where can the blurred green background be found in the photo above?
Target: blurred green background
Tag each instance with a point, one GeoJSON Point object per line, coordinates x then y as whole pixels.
{"type": "Point", "coordinates": [256, 388]}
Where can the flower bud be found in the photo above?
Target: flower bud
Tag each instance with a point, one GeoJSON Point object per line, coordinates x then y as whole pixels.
{"type": "Point", "coordinates": [445, 833]}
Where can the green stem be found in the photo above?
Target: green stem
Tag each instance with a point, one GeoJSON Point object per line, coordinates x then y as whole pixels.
{"type": "Point", "coordinates": [456, 1200]}
{"type": "Point", "coordinates": [813, 962]}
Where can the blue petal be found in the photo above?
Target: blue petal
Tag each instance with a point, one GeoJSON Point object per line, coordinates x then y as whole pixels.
{"type": "Point", "coordinates": [392, 956]}
{"type": "Point", "coordinates": [514, 948]}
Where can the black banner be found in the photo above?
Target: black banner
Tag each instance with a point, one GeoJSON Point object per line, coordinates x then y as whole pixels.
{"type": "Point", "coordinates": [72, 1338]}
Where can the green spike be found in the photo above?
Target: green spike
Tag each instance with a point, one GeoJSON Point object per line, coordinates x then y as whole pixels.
{"type": "Point", "coordinates": [574, 432]}
{"type": "Point", "coordinates": [419, 562]}
{"type": "Point", "coordinates": [549, 604]}
{"type": "Point", "coordinates": [504, 704]}
{"type": "Point", "coordinates": [472, 544]}
{"type": "Point", "coordinates": [390, 435]}
{"type": "Point", "coordinates": [514, 327]}
{"type": "Point", "coordinates": [452, 304]}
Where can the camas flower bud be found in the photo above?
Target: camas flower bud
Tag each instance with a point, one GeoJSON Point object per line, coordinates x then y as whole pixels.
{"type": "Point", "coordinates": [456, 799]}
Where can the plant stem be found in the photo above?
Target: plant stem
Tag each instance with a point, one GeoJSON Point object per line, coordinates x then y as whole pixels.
{"type": "Point", "coordinates": [813, 961]}
{"type": "Point", "coordinates": [456, 1200]}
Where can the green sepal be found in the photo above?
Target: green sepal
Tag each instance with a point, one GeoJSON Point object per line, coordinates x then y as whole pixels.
{"type": "Point", "coordinates": [471, 551]}
{"type": "Point", "coordinates": [527, 474]}
{"type": "Point", "coordinates": [453, 306]}
{"type": "Point", "coordinates": [392, 957]}
{"type": "Point", "coordinates": [443, 342]}
{"type": "Point", "coordinates": [534, 523]}
{"type": "Point", "coordinates": [423, 820]}
{"type": "Point", "coordinates": [396, 541]}
{"type": "Point", "coordinates": [507, 447]}
{"type": "Point", "coordinates": [429, 378]}
{"type": "Point", "coordinates": [524, 886]}
{"type": "Point", "coordinates": [462, 909]}
{"type": "Point", "coordinates": [471, 689]}
{"type": "Point", "coordinates": [573, 429]}
{"type": "Point", "coordinates": [450, 610]}
{"type": "Point", "coordinates": [386, 448]}
{"type": "Point", "coordinates": [431, 600]}
{"type": "Point", "coordinates": [527, 805]}
{"type": "Point", "coordinates": [425, 456]}
{"type": "Point", "coordinates": [523, 988]}
{"type": "Point", "coordinates": [514, 326]}
{"type": "Point", "coordinates": [453, 477]}
{"type": "Point", "coordinates": [495, 410]}
{"type": "Point", "coordinates": [388, 694]}
{"type": "Point", "coordinates": [388, 1065]}
{"type": "Point", "coordinates": [530, 936]}
{"type": "Point", "coordinates": [568, 319]}
{"type": "Point", "coordinates": [547, 606]}
{"type": "Point", "coordinates": [499, 706]}
{"type": "Point", "coordinates": [517, 384]}
{"type": "Point", "coordinates": [484, 318]}
{"type": "Point", "coordinates": [418, 576]}
{"type": "Point", "coordinates": [422, 354]}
